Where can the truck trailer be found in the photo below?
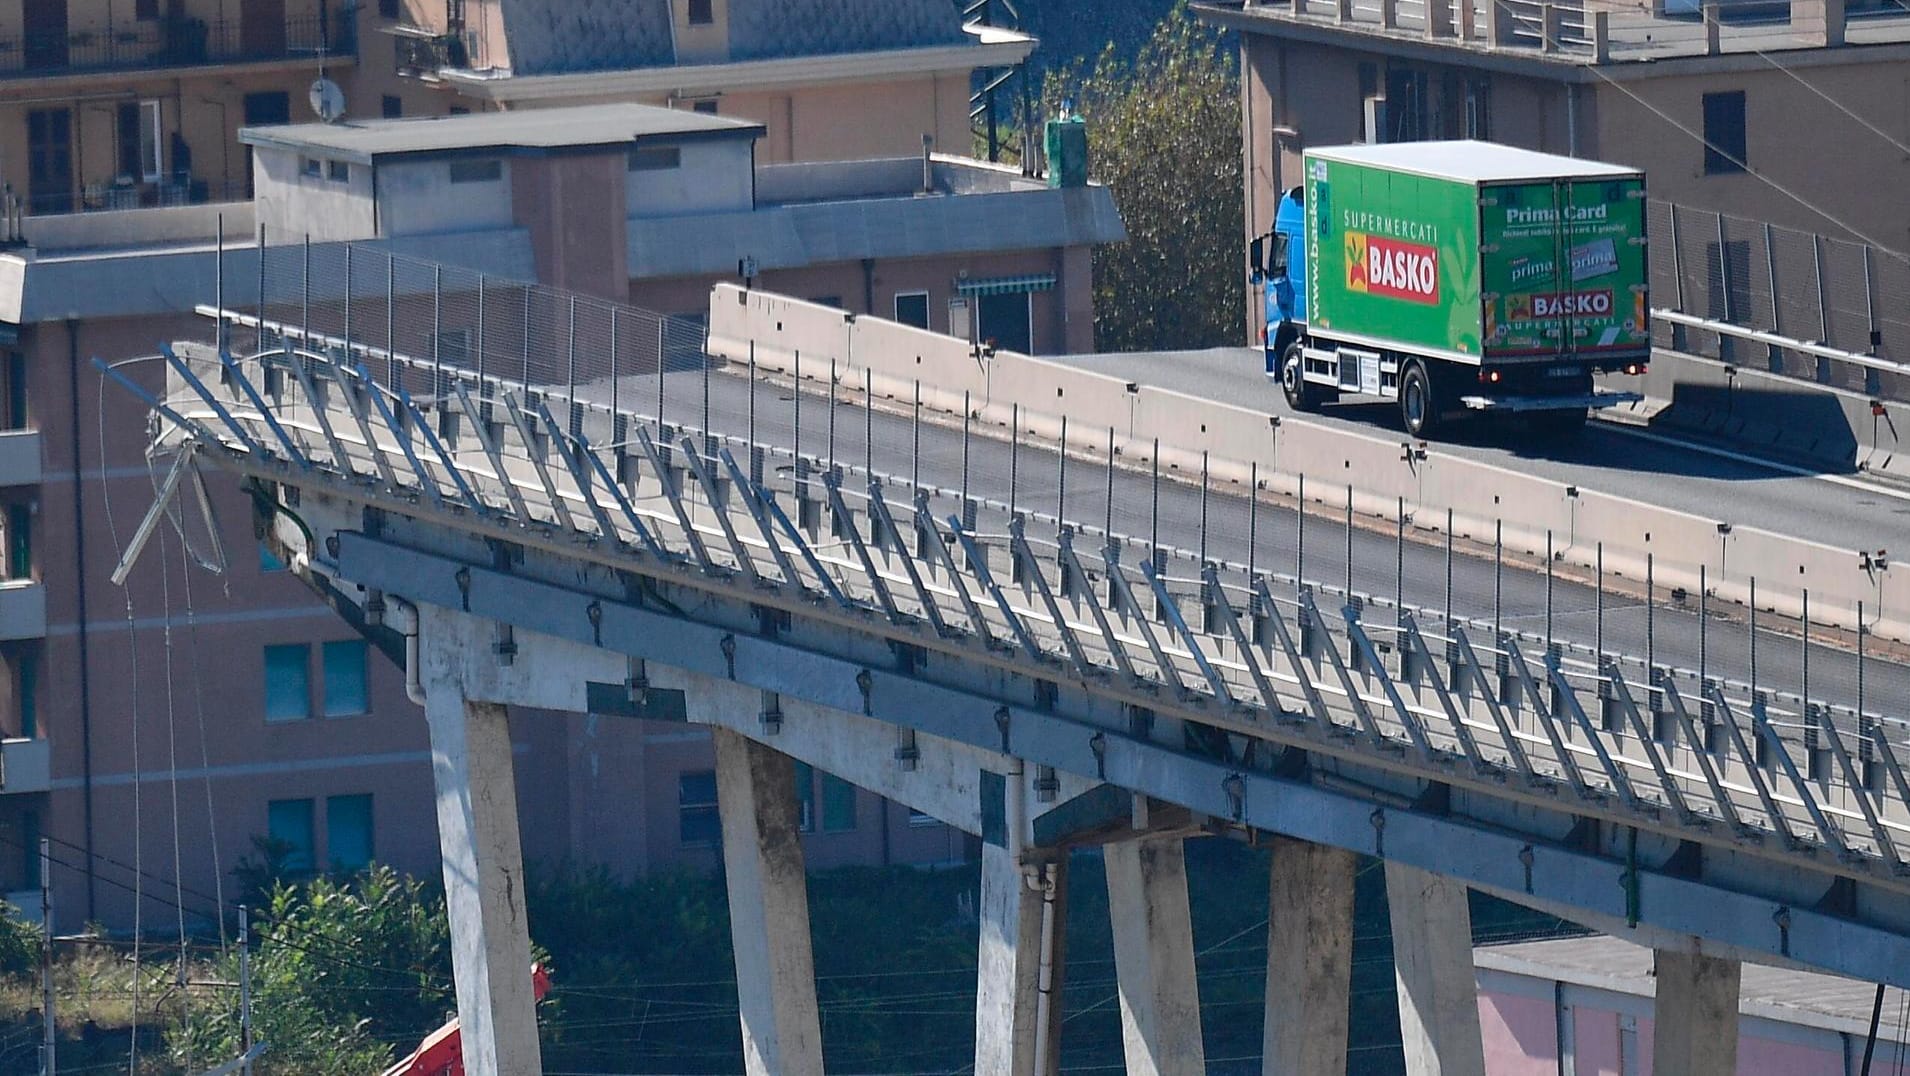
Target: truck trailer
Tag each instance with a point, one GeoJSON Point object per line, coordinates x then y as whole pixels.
{"type": "Point", "coordinates": [1458, 278]}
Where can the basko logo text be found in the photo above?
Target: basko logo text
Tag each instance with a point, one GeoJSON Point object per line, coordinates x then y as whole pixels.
{"type": "Point", "coordinates": [1379, 266]}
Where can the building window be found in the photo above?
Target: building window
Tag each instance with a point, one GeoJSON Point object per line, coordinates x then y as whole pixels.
{"type": "Point", "coordinates": [289, 823]}
{"type": "Point", "coordinates": [20, 665]}
{"type": "Point", "coordinates": [268, 560]}
{"type": "Point", "coordinates": [696, 819]}
{"type": "Point", "coordinates": [137, 132]}
{"type": "Point", "coordinates": [1724, 133]}
{"type": "Point", "coordinates": [310, 166]}
{"type": "Point", "coordinates": [1478, 119]}
{"type": "Point", "coordinates": [345, 691]}
{"type": "Point", "coordinates": [479, 171]}
{"type": "Point", "coordinates": [707, 106]}
{"type": "Point", "coordinates": [920, 819]}
{"type": "Point", "coordinates": [149, 142]}
{"type": "Point", "coordinates": [288, 683]}
{"type": "Point", "coordinates": [390, 106]}
{"type": "Point", "coordinates": [338, 171]}
{"type": "Point", "coordinates": [911, 308]}
{"type": "Point", "coordinates": [348, 842]}
{"type": "Point", "coordinates": [838, 804]}
{"type": "Point", "coordinates": [145, 9]}
{"type": "Point", "coordinates": [1007, 319]}
{"type": "Point", "coordinates": [17, 525]}
{"type": "Point", "coordinates": [655, 158]}
{"type": "Point", "coordinates": [805, 797]}
{"type": "Point", "coordinates": [13, 394]}
{"type": "Point", "coordinates": [702, 12]}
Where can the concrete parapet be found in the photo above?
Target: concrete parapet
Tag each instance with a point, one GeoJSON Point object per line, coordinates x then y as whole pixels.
{"type": "Point", "coordinates": [1237, 440]}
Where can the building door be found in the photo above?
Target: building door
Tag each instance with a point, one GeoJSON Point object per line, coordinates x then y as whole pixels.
{"type": "Point", "coordinates": [264, 110]}
{"type": "Point", "coordinates": [1008, 320]}
{"type": "Point", "coordinates": [50, 160]}
{"type": "Point", "coordinates": [43, 27]}
{"type": "Point", "coordinates": [262, 27]}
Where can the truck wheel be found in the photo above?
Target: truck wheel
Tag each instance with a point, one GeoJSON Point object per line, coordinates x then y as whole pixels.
{"type": "Point", "coordinates": [1418, 407]}
{"type": "Point", "coordinates": [1293, 384]}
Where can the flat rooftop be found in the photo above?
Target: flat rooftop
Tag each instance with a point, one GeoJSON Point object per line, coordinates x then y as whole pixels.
{"type": "Point", "coordinates": [1809, 998]}
{"type": "Point", "coordinates": [1634, 37]}
{"type": "Point", "coordinates": [1470, 161]}
{"type": "Point", "coordinates": [525, 131]}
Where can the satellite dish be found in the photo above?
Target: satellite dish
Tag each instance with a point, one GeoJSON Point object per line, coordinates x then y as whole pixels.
{"type": "Point", "coordinates": [328, 101]}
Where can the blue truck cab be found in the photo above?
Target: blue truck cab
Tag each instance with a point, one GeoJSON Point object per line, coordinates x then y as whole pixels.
{"type": "Point", "coordinates": [1284, 282]}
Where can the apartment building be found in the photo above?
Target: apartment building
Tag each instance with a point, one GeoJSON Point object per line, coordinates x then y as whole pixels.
{"type": "Point", "coordinates": [1791, 113]}
{"type": "Point", "coordinates": [827, 79]}
{"type": "Point", "coordinates": [190, 713]}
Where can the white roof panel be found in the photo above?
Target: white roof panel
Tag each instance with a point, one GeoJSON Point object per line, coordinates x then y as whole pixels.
{"type": "Point", "coordinates": [1470, 161]}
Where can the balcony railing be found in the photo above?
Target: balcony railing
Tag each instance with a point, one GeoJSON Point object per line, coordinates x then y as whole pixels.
{"type": "Point", "coordinates": [176, 41]}
{"type": "Point", "coordinates": [101, 197]}
{"type": "Point", "coordinates": [19, 457]}
{"type": "Point", "coordinates": [22, 609]}
{"type": "Point", "coordinates": [25, 765]}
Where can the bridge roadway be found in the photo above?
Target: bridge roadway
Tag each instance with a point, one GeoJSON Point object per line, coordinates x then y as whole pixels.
{"type": "Point", "coordinates": [1609, 456]}
{"type": "Point", "coordinates": [485, 625]}
{"type": "Point", "coordinates": [1031, 474]}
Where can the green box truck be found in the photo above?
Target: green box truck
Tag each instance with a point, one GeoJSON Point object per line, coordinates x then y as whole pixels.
{"type": "Point", "coordinates": [1456, 278]}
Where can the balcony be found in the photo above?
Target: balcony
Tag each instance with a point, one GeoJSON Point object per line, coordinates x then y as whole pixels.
{"type": "Point", "coordinates": [22, 609]}
{"type": "Point", "coordinates": [123, 194]}
{"type": "Point", "coordinates": [26, 765]}
{"type": "Point", "coordinates": [175, 41]}
{"type": "Point", "coordinates": [19, 457]}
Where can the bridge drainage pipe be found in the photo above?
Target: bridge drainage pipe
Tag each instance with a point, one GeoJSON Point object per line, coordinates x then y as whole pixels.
{"type": "Point", "coordinates": [404, 619]}
{"type": "Point", "coordinates": [1044, 984]}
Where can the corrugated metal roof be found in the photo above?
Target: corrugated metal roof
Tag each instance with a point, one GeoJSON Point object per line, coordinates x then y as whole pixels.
{"type": "Point", "coordinates": [790, 236]}
{"type": "Point", "coordinates": [1470, 161]}
{"type": "Point", "coordinates": [557, 37]}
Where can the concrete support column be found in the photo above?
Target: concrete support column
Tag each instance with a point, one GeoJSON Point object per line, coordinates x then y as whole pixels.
{"type": "Point", "coordinates": [769, 907]}
{"type": "Point", "coordinates": [1017, 1028]}
{"type": "Point", "coordinates": [1309, 958]}
{"type": "Point", "coordinates": [1154, 957]}
{"type": "Point", "coordinates": [483, 882]}
{"type": "Point", "coordinates": [1432, 958]}
{"type": "Point", "coordinates": [1696, 1018]}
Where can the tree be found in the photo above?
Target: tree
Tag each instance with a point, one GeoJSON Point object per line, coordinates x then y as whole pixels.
{"type": "Point", "coordinates": [1164, 135]}
{"type": "Point", "coordinates": [344, 970]}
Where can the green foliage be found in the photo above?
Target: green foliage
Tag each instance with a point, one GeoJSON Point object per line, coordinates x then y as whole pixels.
{"type": "Point", "coordinates": [1164, 135]}
{"type": "Point", "coordinates": [342, 969]}
{"type": "Point", "coordinates": [19, 943]}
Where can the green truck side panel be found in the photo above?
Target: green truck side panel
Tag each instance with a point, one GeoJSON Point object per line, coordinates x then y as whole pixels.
{"type": "Point", "coordinates": [1392, 256]}
{"type": "Point", "coordinates": [1400, 258]}
{"type": "Point", "coordinates": [1576, 275]}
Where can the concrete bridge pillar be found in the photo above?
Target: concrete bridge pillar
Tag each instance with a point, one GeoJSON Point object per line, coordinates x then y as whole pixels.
{"type": "Point", "coordinates": [1432, 958]}
{"type": "Point", "coordinates": [769, 907]}
{"type": "Point", "coordinates": [1017, 1000]}
{"type": "Point", "coordinates": [483, 881]}
{"type": "Point", "coordinates": [1309, 958]}
{"type": "Point", "coordinates": [1695, 1020]}
{"type": "Point", "coordinates": [1154, 957]}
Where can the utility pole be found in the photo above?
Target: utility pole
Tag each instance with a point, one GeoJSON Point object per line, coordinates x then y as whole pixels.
{"type": "Point", "coordinates": [245, 989]}
{"type": "Point", "coordinates": [47, 1031]}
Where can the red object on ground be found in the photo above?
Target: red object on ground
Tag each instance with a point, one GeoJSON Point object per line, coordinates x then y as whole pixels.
{"type": "Point", "coordinates": [442, 1052]}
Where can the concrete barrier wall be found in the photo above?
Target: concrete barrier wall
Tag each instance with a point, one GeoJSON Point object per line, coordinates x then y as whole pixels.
{"type": "Point", "coordinates": [1239, 440]}
{"type": "Point", "coordinates": [1825, 426]}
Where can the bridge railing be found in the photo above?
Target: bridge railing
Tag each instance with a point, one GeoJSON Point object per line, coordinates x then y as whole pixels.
{"type": "Point", "coordinates": [1792, 288]}
{"type": "Point", "coordinates": [854, 505]}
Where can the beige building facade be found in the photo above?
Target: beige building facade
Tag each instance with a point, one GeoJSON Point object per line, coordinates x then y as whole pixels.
{"type": "Point", "coordinates": [201, 713]}
{"type": "Point", "coordinates": [1800, 122]}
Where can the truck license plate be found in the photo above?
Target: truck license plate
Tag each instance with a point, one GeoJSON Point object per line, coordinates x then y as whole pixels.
{"type": "Point", "coordinates": [1564, 371]}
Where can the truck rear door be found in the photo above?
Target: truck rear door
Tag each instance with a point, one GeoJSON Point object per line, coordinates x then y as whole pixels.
{"type": "Point", "coordinates": [1565, 270]}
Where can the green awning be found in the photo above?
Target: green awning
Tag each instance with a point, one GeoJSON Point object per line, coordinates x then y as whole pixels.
{"type": "Point", "coordinates": [1005, 285]}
